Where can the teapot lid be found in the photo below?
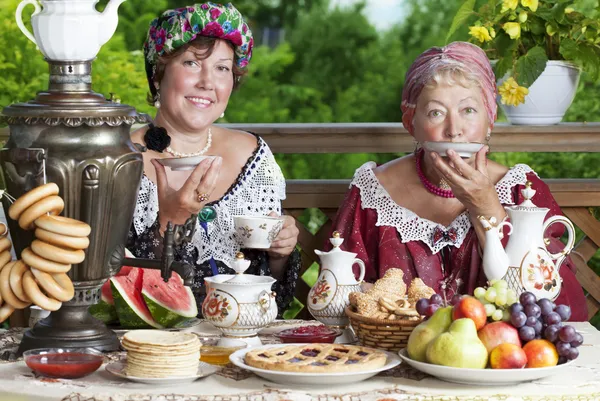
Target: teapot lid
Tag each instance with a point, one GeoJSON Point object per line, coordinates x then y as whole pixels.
{"type": "Point", "coordinates": [240, 265]}
{"type": "Point", "coordinates": [527, 205]}
{"type": "Point", "coordinates": [336, 240]}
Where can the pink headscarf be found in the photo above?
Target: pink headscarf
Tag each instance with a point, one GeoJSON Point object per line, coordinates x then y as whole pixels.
{"type": "Point", "coordinates": [466, 57]}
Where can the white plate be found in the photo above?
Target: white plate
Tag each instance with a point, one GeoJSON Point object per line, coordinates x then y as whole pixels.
{"type": "Point", "coordinates": [188, 324]}
{"type": "Point", "coordinates": [204, 369]}
{"type": "Point", "coordinates": [483, 377]}
{"type": "Point", "coordinates": [312, 379]}
{"type": "Point", "coordinates": [183, 163]}
{"type": "Point", "coordinates": [464, 149]}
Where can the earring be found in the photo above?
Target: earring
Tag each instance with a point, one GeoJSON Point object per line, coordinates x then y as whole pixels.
{"type": "Point", "coordinates": [222, 115]}
{"type": "Point", "coordinates": [417, 145]}
{"type": "Point", "coordinates": [157, 101]}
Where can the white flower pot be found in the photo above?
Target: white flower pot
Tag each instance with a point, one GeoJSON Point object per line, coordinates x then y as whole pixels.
{"type": "Point", "coordinates": [549, 97]}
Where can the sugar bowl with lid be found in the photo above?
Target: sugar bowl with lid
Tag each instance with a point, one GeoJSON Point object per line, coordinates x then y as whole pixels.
{"type": "Point", "coordinates": [240, 304]}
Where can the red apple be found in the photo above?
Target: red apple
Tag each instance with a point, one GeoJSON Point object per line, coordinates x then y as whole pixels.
{"type": "Point", "coordinates": [508, 356]}
{"type": "Point", "coordinates": [496, 333]}
{"type": "Point", "coordinates": [540, 354]}
{"type": "Point", "coordinates": [472, 308]}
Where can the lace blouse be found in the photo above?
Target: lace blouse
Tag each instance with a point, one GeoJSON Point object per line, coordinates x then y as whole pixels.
{"type": "Point", "coordinates": [258, 190]}
{"type": "Point", "coordinates": [385, 235]}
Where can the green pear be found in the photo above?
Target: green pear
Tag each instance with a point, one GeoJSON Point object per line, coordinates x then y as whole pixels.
{"type": "Point", "coordinates": [425, 332]}
{"type": "Point", "coordinates": [458, 347]}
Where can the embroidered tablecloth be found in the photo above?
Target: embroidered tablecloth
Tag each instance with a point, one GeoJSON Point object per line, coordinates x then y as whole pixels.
{"type": "Point", "coordinates": [581, 382]}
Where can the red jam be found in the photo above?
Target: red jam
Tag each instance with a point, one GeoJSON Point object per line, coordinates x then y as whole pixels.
{"type": "Point", "coordinates": [308, 334]}
{"type": "Point", "coordinates": [66, 365]}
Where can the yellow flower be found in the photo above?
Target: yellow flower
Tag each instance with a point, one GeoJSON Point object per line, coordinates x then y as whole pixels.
{"type": "Point", "coordinates": [513, 29]}
{"type": "Point", "coordinates": [569, 10]}
{"type": "Point", "coordinates": [522, 17]}
{"type": "Point", "coordinates": [480, 33]}
{"type": "Point", "coordinates": [509, 5]}
{"type": "Point", "coordinates": [512, 94]}
{"type": "Point", "coordinates": [532, 4]}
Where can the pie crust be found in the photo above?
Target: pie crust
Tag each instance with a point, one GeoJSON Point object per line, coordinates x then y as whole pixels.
{"type": "Point", "coordinates": [317, 358]}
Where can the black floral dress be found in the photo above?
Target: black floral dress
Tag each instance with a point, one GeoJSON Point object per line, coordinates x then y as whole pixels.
{"type": "Point", "coordinates": [258, 190]}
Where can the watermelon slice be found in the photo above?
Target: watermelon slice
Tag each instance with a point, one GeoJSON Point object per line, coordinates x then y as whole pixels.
{"type": "Point", "coordinates": [169, 303]}
{"type": "Point", "coordinates": [106, 292]}
{"type": "Point", "coordinates": [131, 308]}
{"type": "Point", "coordinates": [104, 311]}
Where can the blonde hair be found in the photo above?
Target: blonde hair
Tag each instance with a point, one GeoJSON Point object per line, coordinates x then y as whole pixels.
{"type": "Point", "coordinates": [451, 75]}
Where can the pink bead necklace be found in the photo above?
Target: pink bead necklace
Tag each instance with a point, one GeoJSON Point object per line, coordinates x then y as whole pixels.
{"type": "Point", "coordinates": [444, 193]}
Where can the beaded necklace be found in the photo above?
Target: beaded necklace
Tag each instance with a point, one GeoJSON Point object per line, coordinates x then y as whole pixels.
{"type": "Point", "coordinates": [429, 186]}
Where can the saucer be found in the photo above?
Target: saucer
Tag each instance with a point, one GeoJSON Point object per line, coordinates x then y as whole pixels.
{"type": "Point", "coordinates": [118, 369]}
{"type": "Point", "coordinates": [183, 163]}
{"type": "Point", "coordinates": [464, 149]}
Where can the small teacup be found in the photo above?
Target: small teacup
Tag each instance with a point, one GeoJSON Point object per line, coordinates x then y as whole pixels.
{"type": "Point", "coordinates": [257, 232]}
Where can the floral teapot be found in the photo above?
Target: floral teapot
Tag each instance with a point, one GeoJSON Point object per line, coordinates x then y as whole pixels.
{"type": "Point", "coordinates": [525, 263]}
{"type": "Point", "coordinates": [240, 304]}
{"type": "Point", "coordinates": [328, 298]}
{"type": "Point", "coordinates": [69, 30]}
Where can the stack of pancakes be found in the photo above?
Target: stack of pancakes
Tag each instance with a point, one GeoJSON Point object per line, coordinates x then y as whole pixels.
{"type": "Point", "coordinates": [155, 353]}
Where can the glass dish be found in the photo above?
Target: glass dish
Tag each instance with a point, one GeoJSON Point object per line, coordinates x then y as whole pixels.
{"type": "Point", "coordinates": [216, 350]}
{"type": "Point", "coordinates": [309, 334]}
{"type": "Point", "coordinates": [63, 363]}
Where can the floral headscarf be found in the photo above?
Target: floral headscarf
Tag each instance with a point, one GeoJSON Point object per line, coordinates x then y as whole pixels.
{"type": "Point", "coordinates": [175, 28]}
{"type": "Point", "coordinates": [467, 57]}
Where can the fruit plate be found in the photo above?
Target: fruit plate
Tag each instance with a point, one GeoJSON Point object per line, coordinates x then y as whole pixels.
{"type": "Point", "coordinates": [118, 369]}
{"type": "Point", "coordinates": [311, 379]}
{"type": "Point", "coordinates": [183, 163]}
{"type": "Point", "coordinates": [185, 325]}
{"type": "Point", "coordinates": [483, 377]}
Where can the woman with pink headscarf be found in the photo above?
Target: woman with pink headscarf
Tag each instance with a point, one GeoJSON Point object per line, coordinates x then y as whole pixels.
{"type": "Point", "coordinates": [419, 212]}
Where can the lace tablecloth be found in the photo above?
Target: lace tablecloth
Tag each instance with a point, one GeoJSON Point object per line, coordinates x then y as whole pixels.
{"type": "Point", "coordinates": [581, 382]}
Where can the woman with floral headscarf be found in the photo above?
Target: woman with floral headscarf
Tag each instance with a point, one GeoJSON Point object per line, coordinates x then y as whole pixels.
{"type": "Point", "coordinates": [419, 212]}
{"type": "Point", "coordinates": [195, 56]}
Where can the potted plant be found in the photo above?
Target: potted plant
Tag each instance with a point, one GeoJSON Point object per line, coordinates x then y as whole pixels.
{"type": "Point", "coordinates": [537, 48]}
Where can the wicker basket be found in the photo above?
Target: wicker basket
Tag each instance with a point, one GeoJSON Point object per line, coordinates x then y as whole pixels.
{"type": "Point", "coordinates": [389, 335]}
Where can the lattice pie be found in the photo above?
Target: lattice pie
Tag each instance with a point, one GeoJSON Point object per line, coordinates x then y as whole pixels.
{"type": "Point", "coordinates": [316, 358]}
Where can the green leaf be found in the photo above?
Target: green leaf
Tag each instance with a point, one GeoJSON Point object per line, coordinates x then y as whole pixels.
{"type": "Point", "coordinates": [502, 67]}
{"type": "Point", "coordinates": [463, 13]}
{"type": "Point", "coordinates": [585, 54]}
{"type": "Point", "coordinates": [530, 66]}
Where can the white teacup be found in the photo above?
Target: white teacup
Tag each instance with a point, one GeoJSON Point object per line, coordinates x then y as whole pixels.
{"type": "Point", "coordinates": [257, 232]}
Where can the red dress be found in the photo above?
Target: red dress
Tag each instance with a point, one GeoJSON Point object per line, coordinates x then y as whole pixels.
{"type": "Point", "coordinates": [386, 235]}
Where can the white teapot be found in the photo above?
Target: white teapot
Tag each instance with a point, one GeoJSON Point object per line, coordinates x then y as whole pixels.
{"type": "Point", "coordinates": [240, 304]}
{"type": "Point", "coordinates": [525, 263]}
{"type": "Point", "coordinates": [328, 298]}
{"type": "Point", "coordinates": [69, 30]}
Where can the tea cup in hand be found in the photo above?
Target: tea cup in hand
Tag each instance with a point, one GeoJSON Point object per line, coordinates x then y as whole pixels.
{"type": "Point", "coordinates": [257, 232]}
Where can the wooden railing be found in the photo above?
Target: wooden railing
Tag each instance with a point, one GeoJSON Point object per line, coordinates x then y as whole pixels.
{"type": "Point", "coordinates": [575, 196]}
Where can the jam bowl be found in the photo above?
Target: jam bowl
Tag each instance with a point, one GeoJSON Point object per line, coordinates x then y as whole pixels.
{"type": "Point", "coordinates": [309, 334]}
{"type": "Point", "coordinates": [63, 363]}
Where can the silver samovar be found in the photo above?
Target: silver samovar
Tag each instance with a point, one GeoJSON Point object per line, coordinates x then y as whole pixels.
{"type": "Point", "coordinates": [79, 140]}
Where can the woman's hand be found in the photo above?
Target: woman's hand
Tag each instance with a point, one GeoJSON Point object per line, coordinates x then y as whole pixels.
{"type": "Point", "coordinates": [470, 184]}
{"type": "Point", "coordinates": [178, 205]}
{"type": "Point", "coordinates": [286, 240]}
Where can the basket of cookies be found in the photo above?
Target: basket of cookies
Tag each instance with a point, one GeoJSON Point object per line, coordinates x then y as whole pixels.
{"type": "Point", "coordinates": [384, 316]}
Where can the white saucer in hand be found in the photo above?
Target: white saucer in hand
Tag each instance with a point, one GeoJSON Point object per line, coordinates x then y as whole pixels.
{"type": "Point", "coordinates": [183, 163]}
{"type": "Point", "coordinates": [464, 149]}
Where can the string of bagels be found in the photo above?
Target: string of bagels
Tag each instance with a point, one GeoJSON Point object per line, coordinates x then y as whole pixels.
{"type": "Point", "coordinates": [40, 276]}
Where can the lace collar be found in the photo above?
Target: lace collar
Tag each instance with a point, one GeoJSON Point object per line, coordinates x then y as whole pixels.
{"type": "Point", "coordinates": [409, 225]}
{"type": "Point", "coordinates": [258, 190]}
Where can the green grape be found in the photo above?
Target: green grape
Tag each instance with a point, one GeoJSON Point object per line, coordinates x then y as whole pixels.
{"type": "Point", "coordinates": [506, 315]}
{"type": "Point", "coordinates": [497, 315]}
{"type": "Point", "coordinates": [489, 309]}
{"type": "Point", "coordinates": [492, 282]}
{"type": "Point", "coordinates": [501, 291]}
{"type": "Point", "coordinates": [479, 292]}
{"type": "Point", "coordinates": [500, 284]}
{"type": "Point", "coordinates": [511, 297]}
{"type": "Point", "coordinates": [501, 299]}
{"type": "Point", "coordinates": [490, 294]}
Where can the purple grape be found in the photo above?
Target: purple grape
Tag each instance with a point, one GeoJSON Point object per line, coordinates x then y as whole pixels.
{"type": "Point", "coordinates": [563, 348]}
{"type": "Point", "coordinates": [552, 318]}
{"type": "Point", "coordinates": [538, 337]}
{"type": "Point", "coordinates": [455, 298]}
{"type": "Point", "coordinates": [573, 353]}
{"type": "Point", "coordinates": [531, 321]}
{"type": "Point", "coordinates": [436, 299]}
{"type": "Point", "coordinates": [518, 319]}
{"type": "Point", "coordinates": [578, 340]}
{"type": "Point", "coordinates": [561, 360]}
{"type": "Point", "coordinates": [526, 333]}
{"type": "Point", "coordinates": [538, 328]}
{"type": "Point", "coordinates": [551, 332]}
{"type": "Point", "coordinates": [545, 306]}
{"type": "Point", "coordinates": [422, 305]}
{"type": "Point", "coordinates": [527, 298]}
{"type": "Point", "coordinates": [533, 310]}
{"type": "Point", "coordinates": [564, 311]}
{"type": "Point", "coordinates": [567, 334]}
{"type": "Point", "coordinates": [516, 307]}
{"type": "Point", "coordinates": [431, 309]}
